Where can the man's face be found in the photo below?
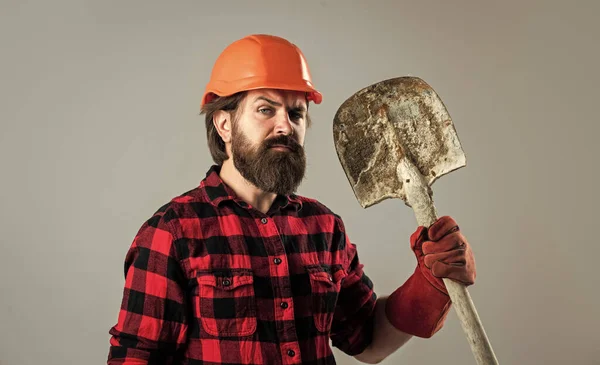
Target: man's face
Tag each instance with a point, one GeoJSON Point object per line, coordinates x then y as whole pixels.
{"type": "Point", "coordinates": [267, 140]}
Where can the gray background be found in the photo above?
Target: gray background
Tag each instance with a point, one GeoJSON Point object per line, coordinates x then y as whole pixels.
{"type": "Point", "coordinates": [100, 127]}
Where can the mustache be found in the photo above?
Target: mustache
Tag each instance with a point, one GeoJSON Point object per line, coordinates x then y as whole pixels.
{"type": "Point", "coordinates": [283, 140]}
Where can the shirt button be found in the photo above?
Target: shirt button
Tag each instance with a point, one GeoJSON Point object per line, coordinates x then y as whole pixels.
{"type": "Point", "coordinates": [283, 305]}
{"type": "Point", "coordinates": [277, 261]}
{"type": "Point", "coordinates": [291, 353]}
{"type": "Point", "coordinates": [226, 282]}
{"type": "Point", "coordinates": [264, 221]}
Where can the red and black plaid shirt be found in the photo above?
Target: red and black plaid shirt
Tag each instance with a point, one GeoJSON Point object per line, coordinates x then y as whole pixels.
{"type": "Point", "coordinates": [210, 280]}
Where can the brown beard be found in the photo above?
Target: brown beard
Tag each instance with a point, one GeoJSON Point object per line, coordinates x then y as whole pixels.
{"type": "Point", "coordinates": [279, 172]}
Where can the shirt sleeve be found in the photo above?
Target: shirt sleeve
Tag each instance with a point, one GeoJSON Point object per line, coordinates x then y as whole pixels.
{"type": "Point", "coordinates": [151, 325]}
{"type": "Point", "coordinates": [352, 327]}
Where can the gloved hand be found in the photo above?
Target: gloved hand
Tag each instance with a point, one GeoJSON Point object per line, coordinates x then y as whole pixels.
{"type": "Point", "coordinates": [420, 306]}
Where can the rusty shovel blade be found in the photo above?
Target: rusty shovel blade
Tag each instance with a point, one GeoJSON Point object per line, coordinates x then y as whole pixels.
{"type": "Point", "coordinates": [392, 122]}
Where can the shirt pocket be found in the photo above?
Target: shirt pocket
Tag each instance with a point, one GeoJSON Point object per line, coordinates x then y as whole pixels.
{"type": "Point", "coordinates": [227, 303]}
{"type": "Point", "coordinates": [325, 288]}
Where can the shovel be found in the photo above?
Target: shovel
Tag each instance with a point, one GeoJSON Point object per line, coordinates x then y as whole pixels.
{"type": "Point", "coordinates": [394, 139]}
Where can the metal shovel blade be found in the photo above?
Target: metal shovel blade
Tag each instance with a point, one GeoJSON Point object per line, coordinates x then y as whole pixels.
{"type": "Point", "coordinates": [383, 124]}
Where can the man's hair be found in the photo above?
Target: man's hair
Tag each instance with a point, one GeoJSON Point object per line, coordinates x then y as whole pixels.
{"type": "Point", "coordinates": [230, 104]}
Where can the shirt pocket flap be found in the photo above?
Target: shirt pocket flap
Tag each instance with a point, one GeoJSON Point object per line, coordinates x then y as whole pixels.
{"type": "Point", "coordinates": [333, 275]}
{"type": "Point", "coordinates": [227, 281]}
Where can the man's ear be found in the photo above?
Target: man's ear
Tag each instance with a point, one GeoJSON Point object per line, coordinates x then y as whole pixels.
{"type": "Point", "coordinates": [222, 122]}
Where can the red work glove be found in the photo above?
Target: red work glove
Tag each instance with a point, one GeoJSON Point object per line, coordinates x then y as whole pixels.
{"type": "Point", "coordinates": [420, 306]}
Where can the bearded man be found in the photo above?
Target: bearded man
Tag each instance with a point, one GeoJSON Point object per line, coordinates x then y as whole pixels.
{"type": "Point", "coordinates": [242, 270]}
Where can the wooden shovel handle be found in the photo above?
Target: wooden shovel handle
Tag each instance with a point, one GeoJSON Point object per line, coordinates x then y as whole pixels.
{"type": "Point", "coordinates": [418, 197]}
{"type": "Point", "coordinates": [471, 323]}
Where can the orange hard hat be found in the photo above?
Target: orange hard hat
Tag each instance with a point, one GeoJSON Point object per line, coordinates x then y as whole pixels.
{"type": "Point", "coordinates": [260, 61]}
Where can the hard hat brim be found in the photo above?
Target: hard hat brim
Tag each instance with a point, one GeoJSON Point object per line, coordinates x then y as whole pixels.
{"type": "Point", "coordinates": [255, 83]}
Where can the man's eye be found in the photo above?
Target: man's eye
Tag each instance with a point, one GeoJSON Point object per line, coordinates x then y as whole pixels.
{"type": "Point", "coordinates": [264, 110]}
{"type": "Point", "coordinates": [295, 115]}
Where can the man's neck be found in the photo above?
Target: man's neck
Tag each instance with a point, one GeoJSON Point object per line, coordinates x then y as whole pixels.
{"type": "Point", "coordinates": [245, 190]}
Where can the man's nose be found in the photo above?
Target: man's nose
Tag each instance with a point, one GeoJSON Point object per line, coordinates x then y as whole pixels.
{"type": "Point", "coordinates": [284, 125]}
